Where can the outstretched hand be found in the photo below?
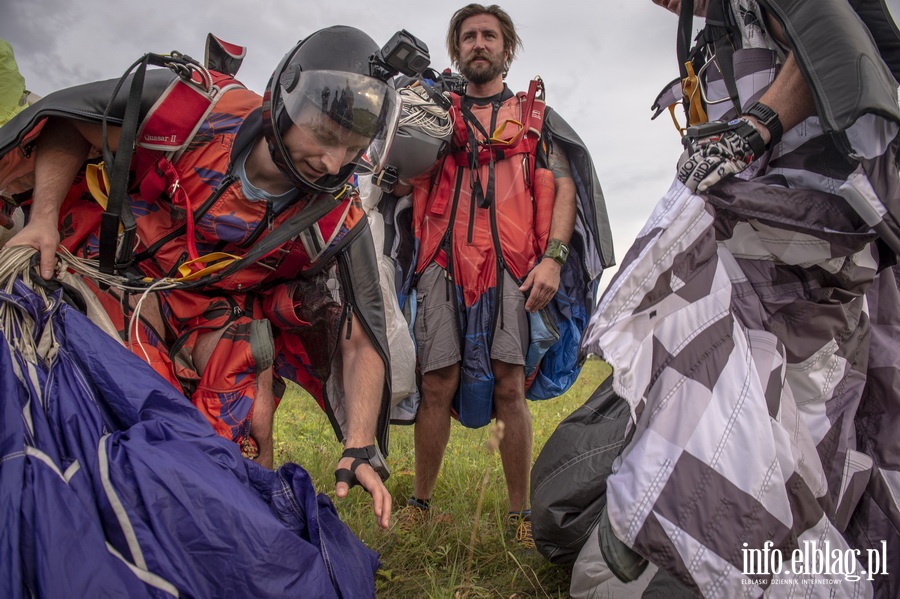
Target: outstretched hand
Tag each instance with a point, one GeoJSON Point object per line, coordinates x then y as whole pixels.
{"type": "Point", "coordinates": [372, 483]}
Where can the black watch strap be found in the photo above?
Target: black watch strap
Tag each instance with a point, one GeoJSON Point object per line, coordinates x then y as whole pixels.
{"type": "Point", "coordinates": [768, 117]}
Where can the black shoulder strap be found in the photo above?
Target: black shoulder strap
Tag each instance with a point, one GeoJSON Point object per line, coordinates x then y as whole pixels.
{"type": "Point", "coordinates": [685, 28]}
{"type": "Point", "coordinates": [720, 29]}
{"type": "Point", "coordinates": [118, 209]}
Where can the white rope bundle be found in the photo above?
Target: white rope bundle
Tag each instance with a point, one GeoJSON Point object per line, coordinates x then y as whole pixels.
{"type": "Point", "coordinates": [15, 261]}
{"type": "Point", "coordinates": [423, 113]}
{"type": "Point", "coordinates": [91, 269]}
{"type": "Point", "coordinates": [17, 326]}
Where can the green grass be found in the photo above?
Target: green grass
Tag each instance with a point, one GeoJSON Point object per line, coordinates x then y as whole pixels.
{"type": "Point", "coordinates": [439, 560]}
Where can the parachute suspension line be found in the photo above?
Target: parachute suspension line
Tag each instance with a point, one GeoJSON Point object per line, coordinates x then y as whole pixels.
{"type": "Point", "coordinates": [91, 269]}
{"type": "Point", "coordinates": [422, 112]}
{"type": "Point", "coordinates": [15, 263]}
{"type": "Point", "coordinates": [19, 328]}
{"type": "Point", "coordinates": [134, 321]}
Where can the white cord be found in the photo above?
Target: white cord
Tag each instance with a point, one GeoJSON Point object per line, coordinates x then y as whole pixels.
{"type": "Point", "coordinates": [421, 112]}
{"type": "Point", "coordinates": [134, 321]}
{"type": "Point", "coordinates": [91, 269]}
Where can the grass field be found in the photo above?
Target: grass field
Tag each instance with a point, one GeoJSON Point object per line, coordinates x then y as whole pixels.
{"type": "Point", "coordinates": [439, 560]}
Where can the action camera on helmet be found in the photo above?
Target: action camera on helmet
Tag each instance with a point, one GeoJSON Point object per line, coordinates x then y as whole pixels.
{"type": "Point", "coordinates": [403, 53]}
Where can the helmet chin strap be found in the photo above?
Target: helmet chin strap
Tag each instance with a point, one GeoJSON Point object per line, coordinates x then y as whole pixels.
{"type": "Point", "coordinates": [277, 153]}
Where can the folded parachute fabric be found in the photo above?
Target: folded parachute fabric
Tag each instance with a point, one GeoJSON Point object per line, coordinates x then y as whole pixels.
{"type": "Point", "coordinates": [113, 485]}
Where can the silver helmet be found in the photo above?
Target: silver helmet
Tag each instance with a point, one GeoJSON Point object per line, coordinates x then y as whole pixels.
{"type": "Point", "coordinates": [423, 135]}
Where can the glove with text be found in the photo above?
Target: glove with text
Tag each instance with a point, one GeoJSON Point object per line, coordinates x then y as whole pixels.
{"type": "Point", "coordinates": [718, 150]}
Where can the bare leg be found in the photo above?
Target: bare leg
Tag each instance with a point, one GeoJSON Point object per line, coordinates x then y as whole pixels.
{"type": "Point", "coordinates": [515, 448]}
{"type": "Point", "coordinates": [263, 418]}
{"type": "Point", "coordinates": [432, 429]}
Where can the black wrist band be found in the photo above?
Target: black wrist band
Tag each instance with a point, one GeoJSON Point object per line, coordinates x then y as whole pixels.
{"type": "Point", "coordinates": [369, 455]}
{"type": "Point", "coordinates": [753, 137]}
{"type": "Point", "coordinates": [768, 117]}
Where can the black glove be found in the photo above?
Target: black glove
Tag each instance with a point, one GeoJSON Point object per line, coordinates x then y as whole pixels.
{"type": "Point", "coordinates": [717, 150]}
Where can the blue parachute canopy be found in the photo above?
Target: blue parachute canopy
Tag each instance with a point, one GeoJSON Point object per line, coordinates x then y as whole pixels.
{"type": "Point", "coordinates": [113, 485]}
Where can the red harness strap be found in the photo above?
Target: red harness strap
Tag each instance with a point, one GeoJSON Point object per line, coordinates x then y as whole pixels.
{"type": "Point", "coordinates": [533, 108]}
{"type": "Point", "coordinates": [168, 128]}
{"type": "Point", "coordinates": [532, 112]}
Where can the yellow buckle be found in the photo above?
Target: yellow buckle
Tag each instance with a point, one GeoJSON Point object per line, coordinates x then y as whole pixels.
{"type": "Point", "coordinates": [209, 264]}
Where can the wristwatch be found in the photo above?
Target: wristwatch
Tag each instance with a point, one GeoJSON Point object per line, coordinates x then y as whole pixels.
{"type": "Point", "coordinates": [768, 117]}
{"type": "Point", "coordinates": [557, 250]}
{"type": "Point", "coordinates": [372, 456]}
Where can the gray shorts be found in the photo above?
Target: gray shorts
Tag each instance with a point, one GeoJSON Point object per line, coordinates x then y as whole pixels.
{"type": "Point", "coordinates": [437, 332]}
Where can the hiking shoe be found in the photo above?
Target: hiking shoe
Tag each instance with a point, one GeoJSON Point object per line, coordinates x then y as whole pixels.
{"type": "Point", "coordinates": [522, 522]}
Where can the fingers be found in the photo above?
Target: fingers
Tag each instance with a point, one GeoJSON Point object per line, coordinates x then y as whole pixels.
{"type": "Point", "coordinates": [544, 283]}
{"type": "Point", "coordinates": [714, 160]}
{"type": "Point", "coordinates": [341, 490]}
{"type": "Point", "coordinates": [45, 240]}
{"type": "Point", "coordinates": [529, 281]}
{"type": "Point", "coordinates": [723, 170]}
{"type": "Point", "coordinates": [381, 501]}
{"type": "Point", "coordinates": [48, 262]}
{"type": "Point", "coordinates": [369, 480]}
{"type": "Point", "coordinates": [696, 169]}
{"type": "Point", "coordinates": [699, 173]}
{"type": "Point", "coordinates": [536, 302]}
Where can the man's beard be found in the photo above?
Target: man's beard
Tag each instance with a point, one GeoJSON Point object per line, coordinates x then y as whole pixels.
{"type": "Point", "coordinates": [483, 73]}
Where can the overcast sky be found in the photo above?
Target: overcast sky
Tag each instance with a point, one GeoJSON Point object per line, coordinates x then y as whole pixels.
{"type": "Point", "coordinates": [603, 62]}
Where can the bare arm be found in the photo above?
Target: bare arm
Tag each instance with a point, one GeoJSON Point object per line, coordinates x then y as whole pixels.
{"type": "Point", "coordinates": [789, 96]}
{"type": "Point", "coordinates": [543, 280]}
{"type": "Point", "coordinates": [364, 374]}
{"type": "Point", "coordinates": [62, 148]}
{"type": "Point", "coordinates": [563, 222]}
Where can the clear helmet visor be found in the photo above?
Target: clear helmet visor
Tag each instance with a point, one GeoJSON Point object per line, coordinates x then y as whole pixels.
{"type": "Point", "coordinates": [335, 123]}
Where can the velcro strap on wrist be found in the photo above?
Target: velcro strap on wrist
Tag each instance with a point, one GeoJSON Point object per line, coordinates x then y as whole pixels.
{"type": "Point", "coordinates": [753, 137]}
{"type": "Point", "coordinates": [348, 475]}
